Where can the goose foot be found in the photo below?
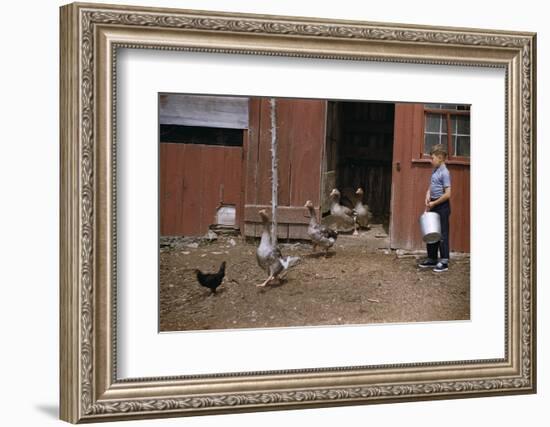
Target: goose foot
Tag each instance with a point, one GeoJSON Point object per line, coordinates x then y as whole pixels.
{"type": "Point", "coordinates": [268, 280]}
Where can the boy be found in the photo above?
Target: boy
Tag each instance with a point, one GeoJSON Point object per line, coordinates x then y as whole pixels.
{"type": "Point", "coordinates": [438, 200]}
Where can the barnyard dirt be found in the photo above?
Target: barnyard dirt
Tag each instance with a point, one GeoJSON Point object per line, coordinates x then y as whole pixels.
{"type": "Point", "coordinates": [354, 285]}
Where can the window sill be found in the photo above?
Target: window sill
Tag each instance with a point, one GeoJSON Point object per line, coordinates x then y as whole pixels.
{"type": "Point", "coordinates": [449, 162]}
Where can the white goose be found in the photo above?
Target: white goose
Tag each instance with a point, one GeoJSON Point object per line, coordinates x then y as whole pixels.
{"type": "Point", "coordinates": [363, 214]}
{"type": "Point", "coordinates": [342, 214]}
{"type": "Point", "coordinates": [269, 256]}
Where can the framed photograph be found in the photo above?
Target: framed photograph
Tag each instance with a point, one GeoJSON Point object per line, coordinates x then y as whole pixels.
{"type": "Point", "coordinates": [269, 212]}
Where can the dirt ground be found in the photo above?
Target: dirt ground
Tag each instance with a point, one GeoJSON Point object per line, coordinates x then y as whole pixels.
{"type": "Point", "coordinates": [355, 285]}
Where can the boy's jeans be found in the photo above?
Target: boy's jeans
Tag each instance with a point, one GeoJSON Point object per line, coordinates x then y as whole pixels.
{"type": "Point", "coordinates": [444, 211]}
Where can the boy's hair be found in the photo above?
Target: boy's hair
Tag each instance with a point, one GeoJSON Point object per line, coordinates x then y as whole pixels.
{"type": "Point", "coordinates": [439, 150]}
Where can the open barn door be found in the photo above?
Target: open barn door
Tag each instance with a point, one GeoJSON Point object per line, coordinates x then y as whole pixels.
{"type": "Point", "coordinates": [407, 188]}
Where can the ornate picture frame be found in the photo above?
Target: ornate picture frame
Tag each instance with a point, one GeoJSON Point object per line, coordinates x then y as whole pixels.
{"type": "Point", "coordinates": [90, 37]}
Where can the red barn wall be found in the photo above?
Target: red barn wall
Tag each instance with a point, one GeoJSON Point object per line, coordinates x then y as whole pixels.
{"type": "Point", "coordinates": [410, 180]}
{"type": "Point", "coordinates": [194, 180]}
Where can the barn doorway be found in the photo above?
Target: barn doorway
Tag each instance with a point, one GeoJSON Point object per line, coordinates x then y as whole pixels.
{"type": "Point", "coordinates": [359, 152]}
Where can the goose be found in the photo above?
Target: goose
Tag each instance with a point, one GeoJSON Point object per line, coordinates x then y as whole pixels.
{"type": "Point", "coordinates": [269, 256]}
{"type": "Point", "coordinates": [320, 235]}
{"type": "Point", "coordinates": [362, 212]}
{"type": "Point", "coordinates": [342, 214]}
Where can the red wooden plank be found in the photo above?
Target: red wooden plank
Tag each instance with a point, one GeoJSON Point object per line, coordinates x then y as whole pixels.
{"type": "Point", "coordinates": [456, 220]}
{"type": "Point", "coordinates": [297, 231]}
{"type": "Point", "coordinates": [162, 188]}
{"type": "Point", "coordinates": [251, 147]}
{"type": "Point", "coordinates": [460, 207]}
{"type": "Point", "coordinates": [191, 199]}
{"type": "Point", "coordinates": [285, 138]}
{"type": "Point", "coordinates": [244, 170]}
{"type": "Point", "coordinates": [232, 172]}
{"type": "Point", "coordinates": [467, 211]}
{"type": "Point", "coordinates": [212, 183]}
{"type": "Point", "coordinates": [420, 174]}
{"type": "Point", "coordinates": [285, 141]}
{"type": "Point", "coordinates": [232, 181]}
{"type": "Point", "coordinates": [171, 191]}
{"type": "Point", "coordinates": [309, 138]}
{"type": "Point", "coordinates": [402, 128]}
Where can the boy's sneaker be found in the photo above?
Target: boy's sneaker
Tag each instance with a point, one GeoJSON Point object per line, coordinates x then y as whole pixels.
{"type": "Point", "coordinates": [441, 267]}
{"type": "Point", "coordinates": [427, 263]}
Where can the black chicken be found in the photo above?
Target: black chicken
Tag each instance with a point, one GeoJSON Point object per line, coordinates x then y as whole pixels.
{"type": "Point", "coordinates": [211, 280]}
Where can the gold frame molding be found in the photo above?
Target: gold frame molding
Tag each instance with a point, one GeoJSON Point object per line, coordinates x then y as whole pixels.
{"type": "Point", "coordinates": [90, 37]}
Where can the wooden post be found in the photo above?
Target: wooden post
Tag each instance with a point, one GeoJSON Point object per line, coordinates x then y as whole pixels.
{"type": "Point", "coordinates": [274, 173]}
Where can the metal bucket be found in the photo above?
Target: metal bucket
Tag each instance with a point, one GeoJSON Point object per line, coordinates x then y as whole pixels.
{"type": "Point", "coordinates": [430, 226]}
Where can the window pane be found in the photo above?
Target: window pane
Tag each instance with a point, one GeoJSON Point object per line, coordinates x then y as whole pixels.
{"type": "Point", "coordinates": [430, 139]}
{"type": "Point", "coordinates": [433, 106]}
{"type": "Point", "coordinates": [462, 125]}
{"type": "Point", "coordinates": [436, 129]}
{"type": "Point", "coordinates": [447, 106]}
{"type": "Point", "coordinates": [432, 122]}
{"type": "Point", "coordinates": [462, 146]}
{"type": "Point", "coordinates": [443, 141]}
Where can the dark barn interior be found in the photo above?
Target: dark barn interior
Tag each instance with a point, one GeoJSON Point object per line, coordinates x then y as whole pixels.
{"type": "Point", "coordinates": [359, 150]}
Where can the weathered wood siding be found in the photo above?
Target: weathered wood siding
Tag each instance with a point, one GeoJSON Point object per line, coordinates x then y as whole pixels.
{"type": "Point", "coordinates": [411, 180]}
{"type": "Point", "coordinates": [227, 112]}
{"type": "Point", "coordinates": [301, 138]}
